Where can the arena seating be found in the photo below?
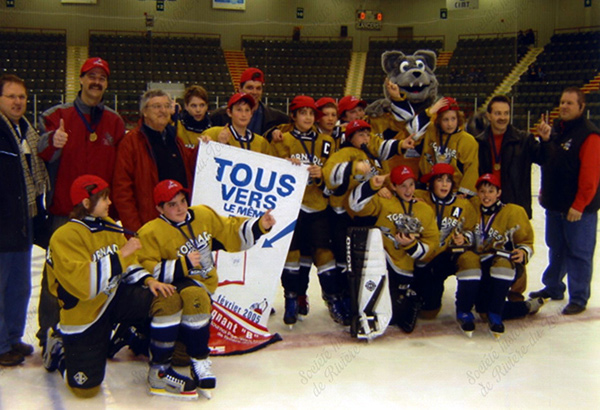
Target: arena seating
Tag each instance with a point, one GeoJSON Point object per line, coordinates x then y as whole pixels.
{"type": "Point", "coordinates": [39, 57]}
{"type": "Point", "coordinates": [138, 58]}
{"type": "Point", "coordinates": [570, 59]}
{"type": "Point", "coordinates": [313, 67]}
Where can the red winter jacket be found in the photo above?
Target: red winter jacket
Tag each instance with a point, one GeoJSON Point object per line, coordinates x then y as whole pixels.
{"type": "Point", "coordinates": [136, 175]}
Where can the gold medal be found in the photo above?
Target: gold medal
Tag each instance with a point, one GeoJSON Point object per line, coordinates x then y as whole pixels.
{"type": "Point", "coordinates": [496, 167]}
{"type": "Point", "coordinates": [441, 158]}
{"type": "Point", "coordinates": [93, 136]}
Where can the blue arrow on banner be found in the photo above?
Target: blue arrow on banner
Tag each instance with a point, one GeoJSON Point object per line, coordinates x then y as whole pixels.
{"type": "Point", "coordinates": [290, 228]}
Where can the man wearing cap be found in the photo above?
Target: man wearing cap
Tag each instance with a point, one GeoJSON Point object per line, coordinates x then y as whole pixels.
{"type": "Point", "coordinates": [23, 179]}
{"type": "Point", "coordinates": [148, 154]}
{"type": "Point", "coordinates": [570, 195]}
{"type": "Point", "coordinates": [264, 118]}
{"type": "Point", "coordinates": [80, 137]}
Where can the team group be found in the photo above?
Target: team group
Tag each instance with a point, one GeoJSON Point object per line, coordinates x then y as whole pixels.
{"type": "Point", "coordinates": [469, 217]}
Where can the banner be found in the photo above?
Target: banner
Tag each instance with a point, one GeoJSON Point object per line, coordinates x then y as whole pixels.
{"type": "Point", "coordinates": [239, 182]}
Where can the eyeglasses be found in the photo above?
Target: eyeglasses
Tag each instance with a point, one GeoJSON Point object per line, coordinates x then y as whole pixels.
{"type": "Point", "coordinates": [159, 106]}
{"type": "Point", "coordinates": [13, 97]}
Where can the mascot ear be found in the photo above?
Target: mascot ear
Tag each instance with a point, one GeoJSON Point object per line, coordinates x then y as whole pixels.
{"type": "Point", "coordinates": [428, 57]}
{"type": "Point", "coordinates": [390, 60]}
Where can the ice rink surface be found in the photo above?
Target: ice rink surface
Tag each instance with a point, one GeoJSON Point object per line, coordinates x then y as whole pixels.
{"type": "Point", "coordinates": [543, 361]}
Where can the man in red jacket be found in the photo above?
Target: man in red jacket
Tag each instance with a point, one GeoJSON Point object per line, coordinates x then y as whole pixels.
{"type": "Point", "coordinates": [148, 154]}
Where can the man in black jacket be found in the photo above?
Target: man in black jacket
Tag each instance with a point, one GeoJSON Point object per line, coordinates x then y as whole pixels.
{"type": "Point", "coordinates": [23, 178]}
{"type": "Point", "coordinates": [264, 118]}
{"type": "Point", "coordinates": [508, 153]}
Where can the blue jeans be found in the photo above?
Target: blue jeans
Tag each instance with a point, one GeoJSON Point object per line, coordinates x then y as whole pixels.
{"type": "Point", "coordinates": [15, 290]}
{"type": "Point", "coordinates": [571, 251]}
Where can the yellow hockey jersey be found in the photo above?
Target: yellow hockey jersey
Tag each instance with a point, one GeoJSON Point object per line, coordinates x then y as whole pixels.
{"type": "Point", "coordinates": [311, 149]}
{"type": "Point", "coordinates": [394, 215]}
{"type": "Point", "coordinates": [459, 150]}
{"type": "Point", "coordinates": [84, 267]}
{"type": "Point", "coordinates": [507, 229]}
{"type": "Point", "coordinates": [250, 141]}
{"type": "Point", "coordinates": [165, 244]}
{"type": "Point", "coordinates": [451, 214]}
{"type": "Point", "coordinates": [340, 173]}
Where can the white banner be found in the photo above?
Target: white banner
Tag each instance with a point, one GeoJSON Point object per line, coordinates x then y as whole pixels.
{"type": "Point", "coordinates": [462, 4]}
{"type": "Point", "coordinates": [239, 182]}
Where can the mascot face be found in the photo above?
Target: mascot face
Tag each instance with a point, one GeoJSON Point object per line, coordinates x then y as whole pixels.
{"type": "Point", "coordinates": [413, 74]}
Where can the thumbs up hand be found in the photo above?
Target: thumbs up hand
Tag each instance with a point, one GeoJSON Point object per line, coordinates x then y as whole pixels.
{"type": "Point", "coordinates": [60, 136]}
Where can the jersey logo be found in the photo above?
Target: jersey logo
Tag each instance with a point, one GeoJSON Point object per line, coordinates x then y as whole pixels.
{"type": "Point", "coordinates": [326, 148]}
{"type": "Point", "coordinates": [456, 211]}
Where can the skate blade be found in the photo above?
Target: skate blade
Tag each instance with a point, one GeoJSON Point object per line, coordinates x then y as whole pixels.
{"type": "Point", "coordinates": [207, 394]}
{"type": "Point", "coordinates": [191, 395]}
{"type": "Point", "coordinates": [468, 333]}
{"type": "Point", "coordinates": [497, 335]}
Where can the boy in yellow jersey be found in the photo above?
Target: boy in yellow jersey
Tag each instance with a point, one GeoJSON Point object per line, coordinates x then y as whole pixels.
{"type": "Point", "coordinates": [303, 145]}
{"type": "Point", "coordinates": [237, 133]}
{"type": "Point", "coordinates": [177, 247]}
{"type": "Point", "coordinates": [193, 120]}
{"type": "Point", "coordinates": [446, 142]}
{"type": "Point", "coordinates": [93, 270]}
{"type": "Point", "coordinates": [503, 237]}
{"type": "Point", "coordinates": [456, 220]}
{"type": "Point", "coordinates": [410, 235]}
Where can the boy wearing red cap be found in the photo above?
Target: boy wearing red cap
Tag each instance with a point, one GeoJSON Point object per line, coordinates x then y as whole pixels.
{"type": "Point", "coordinates": [410, 235]}
{"type": "Point", "coordinates": [503, 237]}
{"type": "Point", "coordinates": [311, 240]}
{"type": "Point", "coordinates": [237, 133]}
{"type": "Point", "coordinates": [456, 220]}
{"type": "Point", "coordinates": [446, 142]}
{"type": "Point", "coordinates": [177, 246]}
{"type": "Point", "coordinates": [327, 121]}
{"type": "Point", "coordinates": [91, 268]}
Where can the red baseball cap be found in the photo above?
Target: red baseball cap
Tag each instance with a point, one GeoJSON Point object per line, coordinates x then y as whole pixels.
{"type": "Point", "coordinates": [321, 102]}
{"type": "Point", "coordinates": [438, 169]}
{"type": "Point", "coordinates": [356, 125]}
{"type": "Point", "coordinates": [400, 174]}
{"type": "Point", "coordinates": [489, 178]}
{"type": "Point", "coordinates": [79, 191]}
{"type": "Point", "coordinates": [235, 98]}
{"type": "Point", "coordinates": [252, 74]}
{"type": "Point", "coordinates": [166, 190]}
{"type": "Point", "coordinates": [94, 62]}
{"type": "Point", "coordinates": [349, 102]}
{"type": "Point", "coordinates": [452, 105]}
{"type": "Point", "coordinates": [301, 101]}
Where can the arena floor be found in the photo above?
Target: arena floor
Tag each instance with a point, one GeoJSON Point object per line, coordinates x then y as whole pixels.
{"type": "Point", "coordinates": [544, 361]}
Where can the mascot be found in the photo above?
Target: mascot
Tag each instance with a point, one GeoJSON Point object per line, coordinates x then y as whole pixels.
{"type": "Point", "coordinates": [410, 90]}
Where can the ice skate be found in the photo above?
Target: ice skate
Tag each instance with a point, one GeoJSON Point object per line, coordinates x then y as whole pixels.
{"type": "Point", "coordinates": [53, 353]}
{"type": "Point", "coordinates": [534, 305]}
{"type": "Point", "coordinates": [496, 325]}
{"type": "Point", "coordinates": [303, 305]}
{"type": "Point", "coordinates": [202, 374]}
{"type": "Point", "coordinates": [164, 381]}
{"type": "Point", "coordinates": [466, 321]}
{"type": "Point", "coordinates": [290, 315]}
{"type": "Point", "coordinates": [337, 310]}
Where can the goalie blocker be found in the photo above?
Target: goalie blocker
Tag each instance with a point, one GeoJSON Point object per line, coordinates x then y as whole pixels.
{"type": "Point", "coordinates": [371, 306]}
